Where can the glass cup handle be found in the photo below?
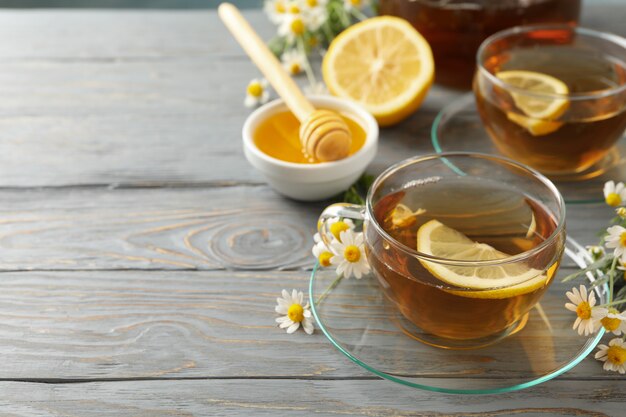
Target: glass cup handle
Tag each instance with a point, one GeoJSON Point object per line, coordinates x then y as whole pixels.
{"type": "Point", "coordinates": [343, 210]}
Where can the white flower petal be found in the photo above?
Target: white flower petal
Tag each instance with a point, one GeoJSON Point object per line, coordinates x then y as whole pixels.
{"type": "Point", "coordinates": [286, 323]}
{"type": "Point", "coordinates": [307, 326]}
{"type": "Point", "coordinates": [609, 187]}
{"type": "Point", "coordinates": [293, 328]}
{"type": "Point", "coordinates": [250, 101]}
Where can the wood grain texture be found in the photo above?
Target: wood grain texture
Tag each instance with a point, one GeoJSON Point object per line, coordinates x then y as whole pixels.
{"type": "Point", "coordinates": [145, 97]}
{"type": "Point", "coordinates": [131, 228]}
{"type": "Point", "coordinates": [296, 397]}
{"type": "Point", "coordinates": [243, 227]}
{"type": "Point", "coordinates": [89, 325]}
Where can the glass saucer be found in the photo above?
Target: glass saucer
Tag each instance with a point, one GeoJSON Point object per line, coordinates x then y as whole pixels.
{"type": "Point", "coordinates": [359, 321]}
{"type": "Point", "coordinates": [458, 127]}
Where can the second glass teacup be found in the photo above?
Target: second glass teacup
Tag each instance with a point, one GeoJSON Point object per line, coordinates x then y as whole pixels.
{"type": "Point", "coordinates": [462, 244]}
{"type": "Point", "coordinates": [553, 97]}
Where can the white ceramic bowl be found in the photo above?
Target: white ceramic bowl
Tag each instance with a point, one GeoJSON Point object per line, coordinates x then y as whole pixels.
{"type": "Point", "coordinates": [312, 182]}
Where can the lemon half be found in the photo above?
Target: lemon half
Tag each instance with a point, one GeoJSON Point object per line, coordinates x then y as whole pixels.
{"type": "Point", "coordinates": [382, 63]}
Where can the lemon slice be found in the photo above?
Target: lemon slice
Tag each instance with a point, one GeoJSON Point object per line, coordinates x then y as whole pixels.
{"type": "Point", "coordinates": [437, 239]}
{"type": "Point", "coordinates": [402, 216]}
{"type": "Point", "coordinates": [536, 127]}
{"type": "Point", "coordinates": [541, 113]}
{"type": "Point", "coordinates": [384, 64]}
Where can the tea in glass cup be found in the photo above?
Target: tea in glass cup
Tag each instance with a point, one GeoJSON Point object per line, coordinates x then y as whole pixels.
{"type": "Point", "coordinates": [553, 97]}
{"type": "Point", "coordinates": [462, 244]}
{"type": "Point", "coordinates": [455, 28]}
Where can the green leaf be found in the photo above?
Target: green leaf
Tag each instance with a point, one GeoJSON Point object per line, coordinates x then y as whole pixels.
{"type": "Point", "coordinates": [600, 265]}
{"type": "Point", "coordinates": [357, 192]}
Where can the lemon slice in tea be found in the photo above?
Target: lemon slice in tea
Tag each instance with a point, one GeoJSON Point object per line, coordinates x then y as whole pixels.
{"type": "Point", "coordinates": [541, 113]}
{"type": "Point", "coordinates": [436, 239]}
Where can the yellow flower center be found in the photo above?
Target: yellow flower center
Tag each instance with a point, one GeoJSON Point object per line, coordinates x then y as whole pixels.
{"type": "Point", "coordinates": [337, 228]}
{"type": "Point", "coordinates": [311, 3]}
{"type": "Point", "coordinates": [294, 68]}
{"type": "Point", "coordinates": [325, 258]}
{"type": "Point", "coordinates": [294, 9]}
{"type": "Point", "coordinates": [352, 253]}
{"type": "Point", "coordinates": [613, 200]}
{"type": "Point", "coordinates": [295, 313]}
{"type": "Point", "coordinates": [584, 310]}
{"type": "Point", "coordinates": [621, 212]}
{"type": "Point", "coordinates": [355, 2]}
{"type": "Point", "coordinates": [297, 26]}
{"type": "Point", "coordinates": [622, 239]}
{"type": "Point", "coordinates": [279, 7]}
{"type": "Point", "coordinates": [611, 324]}
{"type": "Point", "coordinates": [616, 355]}
{"type": "Point", "coordinates": [255, 89]}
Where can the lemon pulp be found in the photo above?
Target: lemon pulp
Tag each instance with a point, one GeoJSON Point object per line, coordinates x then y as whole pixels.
{"type": "Point", "coordinates": [384, 64]}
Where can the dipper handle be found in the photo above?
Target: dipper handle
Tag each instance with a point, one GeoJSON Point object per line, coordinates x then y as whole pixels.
{"type": "Point", "coordinates": [265, 61]}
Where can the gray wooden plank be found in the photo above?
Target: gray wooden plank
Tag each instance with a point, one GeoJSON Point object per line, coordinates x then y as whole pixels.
{"type": "Point", "coordinates": [84, 325]}
{"type": "Point", "coordinates": [301, 398]}
{"type": "Point", "coordinates": [245, 227]}
{"type": "Point", "coordinates": [133, 97]}
{"type": "Point", "coordinates": [144, 122]}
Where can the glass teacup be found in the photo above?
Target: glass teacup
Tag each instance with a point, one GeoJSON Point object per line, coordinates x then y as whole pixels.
{"type": "Point", "coordinates": [553, 97]}
{"type": "Point", "coordinates": [462, 244]}
{"type": "Point", "coordinates": [455, 28]}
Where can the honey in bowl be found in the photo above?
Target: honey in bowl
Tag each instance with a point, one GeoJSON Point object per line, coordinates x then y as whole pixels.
{"type": "Point", "coordinates": [278, 137]}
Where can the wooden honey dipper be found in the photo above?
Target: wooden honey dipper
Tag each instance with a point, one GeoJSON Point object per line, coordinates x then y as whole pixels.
{"type": "Point", "coordinates": [324, 135]}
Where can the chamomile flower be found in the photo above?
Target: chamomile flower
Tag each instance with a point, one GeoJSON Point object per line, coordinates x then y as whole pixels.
{"type": "Point", "coordinates": [316, 89]}
{"type": "Point", "coordinates": [314, 4]}
{"type": "Point", "coordinates": [613, 355]}
{"type": "Point", "coordinates": [336, 225]}
{"type": "Point", "coordinates": [295, 312]}
{"type": "Point", "coordinates": [353, 4]}
{"type": "Point", "coordinates": [321, 251]}
{"type": "Point", "coordinates": [621, 212]}
{"type": "Point", "coordinates": [276, 10]}
{"type": "Point", "coordinates": [616, 240]}
{"type": "Point", "coordinates": [256, 92]}
{"type": "Point", "coordinates": [614, 194]}
{"type": "Point", "coordinates": [315, 18]}
{"type": "Point", "coordinates": [292, 27]}
{"type": "Point", "coordinates": [612, 320]}
{"type": "Point", "coordinates": [293, 61]}
{"type": "Point", "coordinates": [596, 252]}
{"type": "Point", "coordinates": [349, 255]}
{"type": "Point", "coordinates": [588, 320]}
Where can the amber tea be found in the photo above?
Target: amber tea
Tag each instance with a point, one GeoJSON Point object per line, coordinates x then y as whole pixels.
{"type": "Point", "coordinates": [469, 220]}
{"type": "Point", "coordinates": [554, 105]}
{"type": "Point", "coordinates": [455, 28]}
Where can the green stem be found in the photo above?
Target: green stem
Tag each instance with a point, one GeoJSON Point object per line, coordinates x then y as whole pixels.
{"type": "Point", "coordinates": [342, 14]}
{"type": "Point", "coordinates": [307, 66]}
{"type": "Point", "coordinates": [358, 14]}
{"type": "Point", "coordinates": [328, 32]}
{"type": "Point", "coordinates": [612, 303]}
{"type": "Point", "coordinates": [611, 275]}
{"type": "Point", "coordinates": [329, 289]}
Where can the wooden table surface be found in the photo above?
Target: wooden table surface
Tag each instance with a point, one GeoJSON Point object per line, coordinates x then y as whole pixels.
{"type": "Point", "coordinates": [141, 255]}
